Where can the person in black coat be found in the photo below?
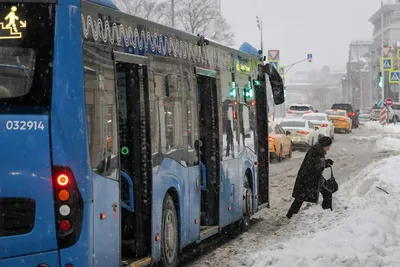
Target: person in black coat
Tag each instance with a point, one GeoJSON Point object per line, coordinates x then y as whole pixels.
{"type": "Point", "coordinates": [309, 178]}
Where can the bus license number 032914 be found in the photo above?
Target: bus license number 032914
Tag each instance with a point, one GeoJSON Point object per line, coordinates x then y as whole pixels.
{"type": "Point", "coordinates": [24, 125]}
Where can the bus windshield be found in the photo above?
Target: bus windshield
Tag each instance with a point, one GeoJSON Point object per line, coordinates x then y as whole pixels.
{"type": "Point", "coordinates": [26, 54]}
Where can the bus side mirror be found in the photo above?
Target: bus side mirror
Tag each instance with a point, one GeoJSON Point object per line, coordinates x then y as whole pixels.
{"type": "Point", "coordinates": [276, 82]}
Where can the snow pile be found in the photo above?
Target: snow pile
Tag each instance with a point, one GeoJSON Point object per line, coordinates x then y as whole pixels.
{"type": "Point", "coordinates": [373, 125]}
{"type": "Point", "coordinates": [376, 126]}
{"type": "Point", "coordinates": [388, 144]}
{"type": "Point", "coordinates": [363, 230]}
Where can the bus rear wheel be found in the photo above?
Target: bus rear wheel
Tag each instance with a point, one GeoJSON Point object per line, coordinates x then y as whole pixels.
{"type": "Point", "coordinates": [169, 242]}
{"type": "Point", "coordinates": [247, 206]}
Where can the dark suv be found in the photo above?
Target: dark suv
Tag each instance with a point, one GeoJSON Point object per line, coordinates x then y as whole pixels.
{"type": "Point", "coordinates": [350, 112]}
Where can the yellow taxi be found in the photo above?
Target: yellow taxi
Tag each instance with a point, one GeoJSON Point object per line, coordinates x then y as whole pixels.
{"type": "Point", "coordinates": [340, 120]}
{"type": "Point", "coordinates": [280, 144]}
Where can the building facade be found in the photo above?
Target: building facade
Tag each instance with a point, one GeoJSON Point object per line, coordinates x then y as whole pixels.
{"type": "Point", "coordinates": [391, 39]}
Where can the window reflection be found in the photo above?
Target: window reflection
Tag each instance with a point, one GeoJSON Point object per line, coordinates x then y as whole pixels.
{"type": "Point", "coordinates": [168, 112]}
{"type": "Point", "coordinates": [101, 113]}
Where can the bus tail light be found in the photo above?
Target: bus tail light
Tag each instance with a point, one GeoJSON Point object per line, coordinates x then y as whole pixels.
{"type": "Point", "coordinates": [68, 206]}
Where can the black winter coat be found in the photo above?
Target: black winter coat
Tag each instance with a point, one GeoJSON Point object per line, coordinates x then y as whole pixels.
{"type": "Point", "coordinates": [308, 181]}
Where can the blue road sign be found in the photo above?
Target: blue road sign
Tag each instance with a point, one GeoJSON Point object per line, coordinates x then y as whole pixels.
{"type": "Point", "coordinates": [275, 64]}
{"type": "Point", "coordinates": [394, 76]}
{"type": "Point", "coordinates": [379, 103]}
{"type": "Point", "coordinates": [309, 56]}
{"type": "Point", "coordinates": [387, 64]}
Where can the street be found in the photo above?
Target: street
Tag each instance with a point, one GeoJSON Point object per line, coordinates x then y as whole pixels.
{"type": "Point", "coordinates": [350, 153]}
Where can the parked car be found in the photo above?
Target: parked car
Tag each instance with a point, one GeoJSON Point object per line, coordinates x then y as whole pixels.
{"type": "Point", "coordinates": [396, 109]}
{"type": "Point", "coordinates": [340, 120]}
{"type": "Point", "coordinates": [302, 133]}
{"type": "Point", "coordinates": [350, 112]}
{"type": "Point", "coordinates": [390, 117]}
{"type": "Point", "coordinates": [280, 144]}
{"type": "Point", "coordinates": [321, 120]}
{"type": "Point", "coordinates": [364, 116]}
{"type": "Point", "coordinates": [298, 110]}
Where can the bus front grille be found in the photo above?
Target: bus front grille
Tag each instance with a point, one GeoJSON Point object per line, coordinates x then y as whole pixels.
{"type": "Point", "coordinates": [17, 216]}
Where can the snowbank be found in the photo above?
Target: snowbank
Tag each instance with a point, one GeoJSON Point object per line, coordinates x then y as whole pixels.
{"type": "Point", "coordinates": [363, 230]}
{"type": "Point", "coordinates": [376, 126]}
{"type": "Point", "coordinates": [388, 144]}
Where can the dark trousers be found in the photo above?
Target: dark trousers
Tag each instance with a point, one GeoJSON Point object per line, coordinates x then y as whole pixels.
{"type": "Point", "coordinates": [296, 205]}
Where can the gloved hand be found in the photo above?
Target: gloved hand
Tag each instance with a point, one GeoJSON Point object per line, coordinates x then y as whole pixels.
{"type": "Point", "coordinates": [328, 162]}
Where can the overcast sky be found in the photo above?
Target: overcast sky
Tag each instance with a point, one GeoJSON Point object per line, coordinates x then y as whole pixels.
{"type": "Point", "coordinates": [324, 28]}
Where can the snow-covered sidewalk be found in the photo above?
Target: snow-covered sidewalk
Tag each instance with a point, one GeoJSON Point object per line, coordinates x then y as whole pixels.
{"type": "Point", "coordinates": [363, 230]}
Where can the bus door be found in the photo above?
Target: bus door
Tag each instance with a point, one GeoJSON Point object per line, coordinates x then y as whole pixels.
{"type": "Point", "coordinates": [135, 154]}
{"type": "Point", "coordinates": [208, 146]}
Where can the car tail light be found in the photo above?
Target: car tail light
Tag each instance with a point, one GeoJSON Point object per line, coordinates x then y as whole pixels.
{"type": "Point", "coordinates": [324, 125]}
{"type": "Point", "coordinates": [308, 111]}
{"type": "Point", "coordinates": [271, 139]}
{"type": "Point", "coordinates": [351, 114]}
{"type": "Point", "coordinates": [303, 132]}
{"type": "Point", "coordinates": [68, 206]}
{"type": "Point", "coordinates": [289, 111]}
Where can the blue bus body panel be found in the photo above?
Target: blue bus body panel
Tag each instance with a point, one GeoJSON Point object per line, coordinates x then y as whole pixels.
{"type": "Point", "coordinates": [229, 173]}
{"type": "Point", "coordinates": [68, 122]}
{"type": "Point", "coordinates": [26, 173]}
{"type": "Point", "coordinates": [49, 258]}
{"type": "Point", "coordinates": [193, 182]}
{"type": "Point", "coordinates": [106, 232]}
{"type": "Point", "coordinates": [171, 175]}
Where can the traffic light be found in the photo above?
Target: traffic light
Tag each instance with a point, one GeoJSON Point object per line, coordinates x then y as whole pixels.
{"type": "Point", "coordinates": [232, 91]}
{"type": "Point", "coordinates": [380, 80]}
{"type": "Point", "coordinates": [248, 92]}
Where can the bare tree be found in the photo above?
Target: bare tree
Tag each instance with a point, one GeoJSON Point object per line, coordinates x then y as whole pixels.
{"type": "Point", "coordinates": [203, 17]}
{"type": "Point", "coordinates": [153, 10]}
{"type": "Point", "coordinates": [194, 16]}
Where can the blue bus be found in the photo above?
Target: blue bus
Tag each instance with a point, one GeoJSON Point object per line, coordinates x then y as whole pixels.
{"type": "Point", "coordinates": [123, 141]}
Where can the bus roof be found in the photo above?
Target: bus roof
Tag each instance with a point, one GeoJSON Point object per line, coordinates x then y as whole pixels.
{"type": "Point", "coordinates": [111, 9]}
{"type": "Point", "coordinates": [107, 3]}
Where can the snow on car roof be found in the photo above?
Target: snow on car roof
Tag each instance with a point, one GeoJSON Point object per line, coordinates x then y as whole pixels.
{"type": "Point", "coordinates": [315, 114]}
{"type": "Point", "coordinates": [294, 119]}
{"type": "Point", "coordinates": [301, 105]}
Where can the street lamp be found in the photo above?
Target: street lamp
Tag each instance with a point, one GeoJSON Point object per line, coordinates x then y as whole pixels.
{"type": "Point", "coordinates": [259, 25]}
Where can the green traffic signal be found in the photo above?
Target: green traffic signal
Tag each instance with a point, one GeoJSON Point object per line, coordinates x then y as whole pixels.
{"type": "Point", "coordinates": [232, 92]}
{"type": "Point", "coordinates": [380, 80]}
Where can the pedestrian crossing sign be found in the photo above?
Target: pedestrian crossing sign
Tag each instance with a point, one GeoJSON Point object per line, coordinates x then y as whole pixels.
{"type": "Point", "coordinates": [386, 64]}
{"type": "Point", "coordinates": [394, 76]}
{"type": "Point", "coordinates": [275, 64]}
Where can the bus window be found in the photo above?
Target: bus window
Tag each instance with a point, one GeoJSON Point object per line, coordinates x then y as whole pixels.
{"type": "Point", "coordinates": [249, 138]}
{"type": "Point", "coordinates": [192, 114]}
{"type": "Point", "coordinates": [172, 119]}
{"type": "Point", "coordinates": [101, 121]}
{"type": "Point", "coordinates": [155, 122]}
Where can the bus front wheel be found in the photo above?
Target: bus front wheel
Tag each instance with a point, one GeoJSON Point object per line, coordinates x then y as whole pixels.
{"type": "Point", "coordinates": [169, 242]}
